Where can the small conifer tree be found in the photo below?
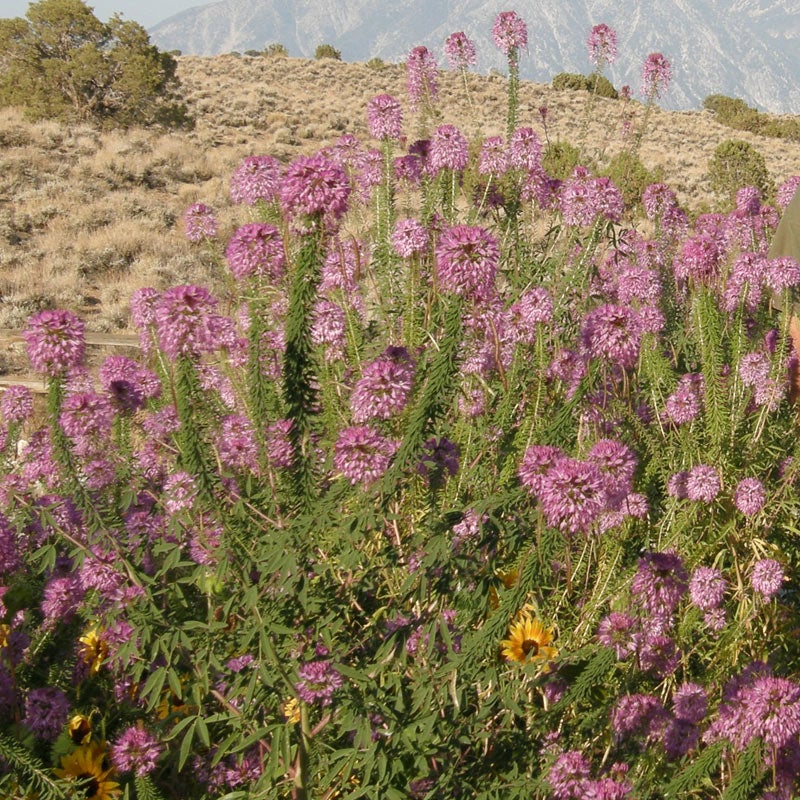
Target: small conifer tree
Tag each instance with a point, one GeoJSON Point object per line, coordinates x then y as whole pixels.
{"type": "Point", "coordinates": [62, 62]}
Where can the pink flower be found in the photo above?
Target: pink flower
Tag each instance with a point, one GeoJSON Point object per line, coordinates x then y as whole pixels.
{"type": "Point", "coordinates": [460, 50]}
{"type": "Point", "coordinates": [449, 149]}
{"type": "Point", "coordinates": [199, 223]}
{"type": "Point", "coordinates": [256, 178]}
{"type": "Point", "coordinates": [656, 75]}
{"type": "Point", "coordinates": [602, 45]}
{"type": "Point", "coordinates": [466, 260]}
{"type": "Point", "coordinates": [510, 33]}
{"type": "Point", "coordinates": [314, 186]}
{"type": "Point", "coordinates": [421, 73]}
{"type": "Point", "coordinates": [256, 249]}
{"type": "Point", "coordinates": [767, 577]}
{"type": "Point", "coordinates": [137, 750]}
{"type": "Point", "coordinates": [54, 341]}
{"type": "Point", "coordinates": [385, 117]}
{"type": "Point", "coordinates": [362, 454]}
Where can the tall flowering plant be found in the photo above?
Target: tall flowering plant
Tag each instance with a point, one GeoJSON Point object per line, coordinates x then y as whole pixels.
{"type": "Point", "coordinates": [524, 529]}
{"type": "Point", "coordinates": [510, 34]}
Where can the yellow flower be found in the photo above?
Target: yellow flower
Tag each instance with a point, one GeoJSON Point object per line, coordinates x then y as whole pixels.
{"type": "Point", "coordinates": [93, 650]}
{"type": "Point", "coordinates": [508, 579]}
{"type": "Point", "coordinates": [4, 631]}
{"type": "Point", "coordinates": [290, 709]}
{"type": "Point", "coordinates": [85, 767]}
{"type": "Point", "coordinates": [528, 640]}
{"type": "Point", "coordinates": [79, 729]}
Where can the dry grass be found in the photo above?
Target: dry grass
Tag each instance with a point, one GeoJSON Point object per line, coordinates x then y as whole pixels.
{"type": "Point", "coordinates": [86, 216]}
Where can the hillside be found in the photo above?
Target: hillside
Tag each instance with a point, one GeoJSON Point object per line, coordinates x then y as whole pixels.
{"type": "Point", "coordinates": [88, 216]}
{"type": "Point", "coordinates": [746, 49]}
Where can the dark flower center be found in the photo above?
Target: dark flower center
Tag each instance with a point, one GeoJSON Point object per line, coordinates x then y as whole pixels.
{"type": "Point", "coordinates": [89, 784]}
{"type": "Point", "coordinates": [530, 647]}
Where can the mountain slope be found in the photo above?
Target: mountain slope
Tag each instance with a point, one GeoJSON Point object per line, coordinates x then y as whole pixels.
{"type": "Point", "coordinates": [742, 48]}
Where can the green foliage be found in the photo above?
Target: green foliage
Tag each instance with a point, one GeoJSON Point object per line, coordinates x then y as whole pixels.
{"type": "Point", "coordinates": [62, 62]}
{"type": "Point", "coordinates": [253, 53]}
{"type": "Point", "coordinates": [632, 177]}
{"type": "Point", "coordinates": [594, 83]}
{"type": "Point", "coordinates": [327, 51]}
{"type": "Point", "coordinates": [276, 50]}
{"type": "Point", "coordinates": [569, 80]}
{"type": "Point", "coordinates": [560, 158]}
{"type": "Point", "coordinates": [376, 63]}
{"type": "Point", "coordinates": [348, 635]}
{"type": "Point", "coordinates": [735, 113]}
{"type": "Point", "coordinates": [736, 163]}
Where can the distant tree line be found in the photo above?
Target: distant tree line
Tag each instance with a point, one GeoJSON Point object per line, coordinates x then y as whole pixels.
{"type": "Point", "coordinates": [62, 62]}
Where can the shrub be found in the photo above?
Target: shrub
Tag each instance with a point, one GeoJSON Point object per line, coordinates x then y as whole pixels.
{"type": "Point", "coordinates": [327, 51]}
{"type": "Point", "coordinates": [601, 86]}
{"type": "Point", "coordinates": [737, 163]}
{"type": "Point", "coordinates": [737, 114]}
{"type": "Point", "coordinates": [560, 158]}
{"type": "Point", "coordinates": [594, 83]}
{"type": "Point", "coordinates": [376, 64]}
{"type": "Point", "coordinates": [276, 50]}
{"type": "Point", "coordinates": [63, 62]}
{"type": "Point", "coordinates": [569, 80]}
{"type": "Point", "coordinates": [632, 177]}
{"type": "Point", "coordinates": [253, 53]}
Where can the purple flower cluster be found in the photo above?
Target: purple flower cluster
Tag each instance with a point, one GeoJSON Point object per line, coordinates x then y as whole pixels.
{"type": "Point", "coordinates": [422, 74]}
{"type": "Point", "coordinates": [315, 187]}
{"type": "Point", "coordinates": [612, 332]}
{"type": "Point", "coordinates": [237, 444]}
{"type": "Point", "coordinates": [707, 588]}
{"type": "Point", "coordinates": [602, 45]}
{"type": "Point", "coordinates": [187, 322]}
{"type": "Point", "coordinates": [510, 33]}
{"type": "Point", "coordinates": [362, 454]}
{"type": "Point", "coordinates": [384, 387]}
{"type": "Point", "coordinates": [656, 75]}
{"type": "Point", "coordinates": [582, 199]}
{"type": "Point", "coordinates": [448, 149]}
{"type": "Point", "coordinates": [318, 681]}
{"type": "Point", "coordinates": [467, 258]}
{"type": "Point", "coordinates": [16, 404]}
{"type": "Point", "coordinates": [570, 778]}
{"type": "Point", "coordinates": [55, 342]}
{"type": "Point", "coordinates": [385, 117]}
{"type": "Point", "coordinates": [256, 249]}
{"type": "Point", "coordinates": [199, 223]}
{"type": "Point", "coordinates": [493, 157]}
{"type": "Point", "coordinates": [659, 583]}
{"type": "Point", "coordinates": [767, 577]}
{"type": "Point", "coordinates": [409, 237]}
{"type": "Point", "coordinates": [136, 750]}
{"type": "Point", "coordinates": [460, 50]}
{"type": "Point", "coordinates": [256, 178]}
{"type": "Point", "coordinates": [685, 403]}
{"type": "Point", "coordinates": [46, 711]}
{"type": "Point", "coordinates": [757, 704]}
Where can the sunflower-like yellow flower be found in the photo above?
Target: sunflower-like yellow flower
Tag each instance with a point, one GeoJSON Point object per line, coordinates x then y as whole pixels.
{"type": "Point", "coordinates": [93, 649]}
{"type": "Point", "coordinates": [79, 729]}
{"type": "Point", "coordinates": [290, 709]}
{"type": "Point", "coordinates": [508, 579]}
{"type": "Point", "coordinates": [528, 640]}
{"type": "Point", "coordinates": [85, 767]}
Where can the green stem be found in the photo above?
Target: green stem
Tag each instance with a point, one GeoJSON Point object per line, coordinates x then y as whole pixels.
{"type": "Point", "coordinates": [298, 368]}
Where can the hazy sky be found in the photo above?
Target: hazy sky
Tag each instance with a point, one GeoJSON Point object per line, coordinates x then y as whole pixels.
{"type": "Point", "coordinates": [146, 12]}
